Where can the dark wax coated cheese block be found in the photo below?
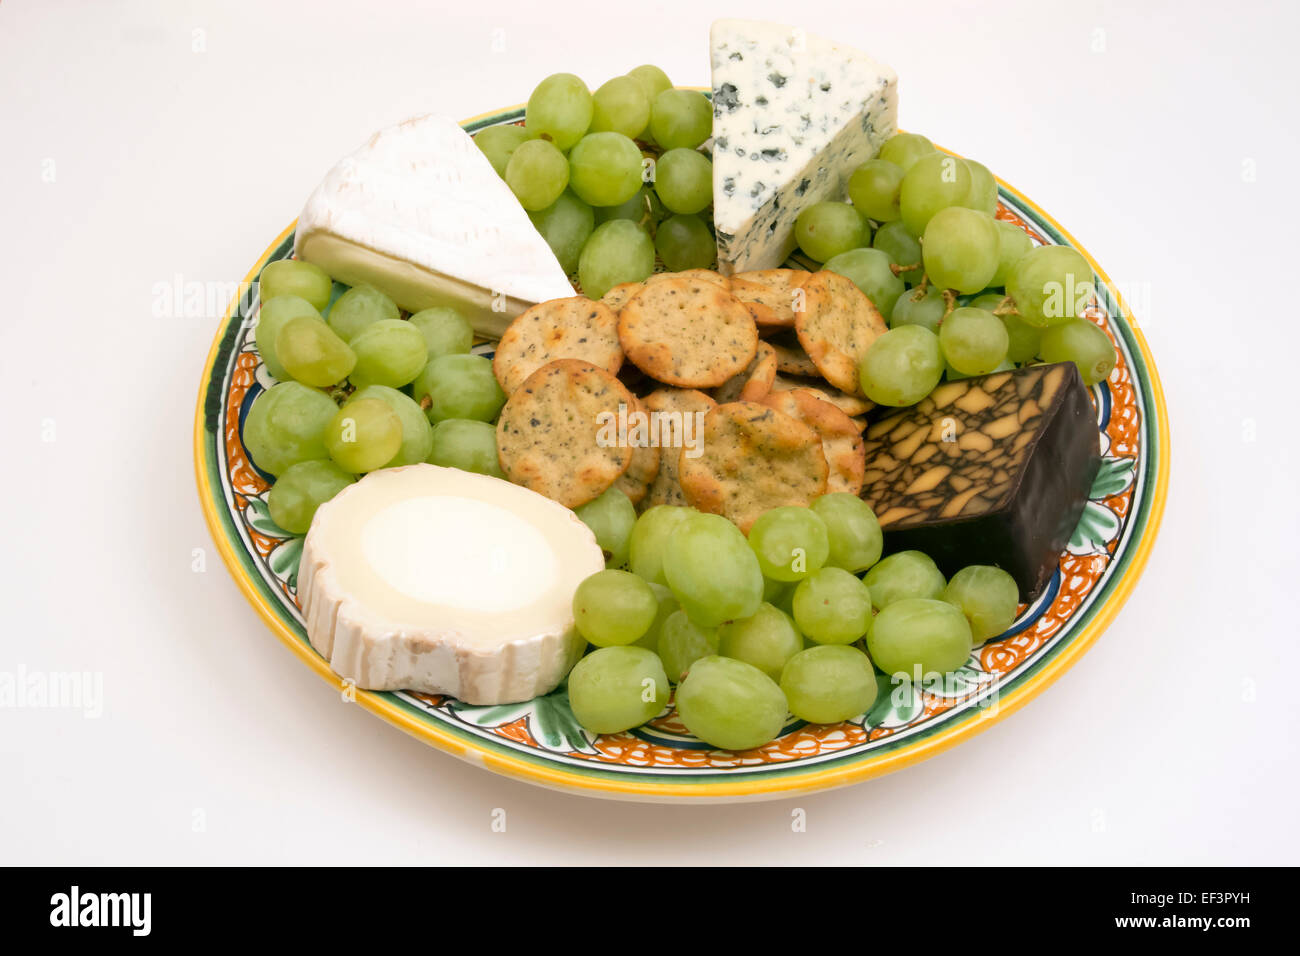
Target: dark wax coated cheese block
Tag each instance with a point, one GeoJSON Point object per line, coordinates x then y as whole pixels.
{"type": "Point", "coordinates": [989, 470]}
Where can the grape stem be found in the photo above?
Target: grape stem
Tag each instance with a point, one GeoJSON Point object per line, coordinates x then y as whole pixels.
{"type": "Point", "coordinates": [898, 270]}
{"type": "Point", "coordinates": [923, 284]}
{"type": "Point", "coordinates": [950, 302]}
{"type": "Point", "coordinates": [1006, 307]}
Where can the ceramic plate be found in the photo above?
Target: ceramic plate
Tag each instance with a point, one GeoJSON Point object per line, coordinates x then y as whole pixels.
{"type": "Point", "coordinates": [539, 741]}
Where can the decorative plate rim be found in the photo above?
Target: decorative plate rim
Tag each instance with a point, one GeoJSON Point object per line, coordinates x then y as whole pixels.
{"type": "Point", "coordinates": [783, 780]}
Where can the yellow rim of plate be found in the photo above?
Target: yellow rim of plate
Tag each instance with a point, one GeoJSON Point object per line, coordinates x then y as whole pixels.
{"type": "Point", "coordinates": [782, 785]}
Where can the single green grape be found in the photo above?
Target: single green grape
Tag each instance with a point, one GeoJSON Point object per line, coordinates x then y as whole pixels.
{"type": "Point", "coordinates": [902, 366]}
{"type": "Point", "coordinates": [1024, 341]}
{"type": "Point", "coordinates": [618, 251]}
{"type": "Point", "coordinates": [832, 606]}
{"type": "Point", "coordinates": [853, 532]}
{"type": "Point", "coordinates": [936, 181]}
{"type": "Point", "coordinates": [537, 174]}
{"type": "Point", "coordinates": [312, 354]}
{"type": "Point", "coordinates": [417, 433]}
{"type": "Point", "coordinates": [903, 249]}
{"type": "Point", "coordinates": [874, 188]}
{"type": "Point", "coordinates": [621, 105]}
{"type": "Point", "coordinates": [682, 642]}
{"type": "Point", "coordinates": [304, 487]}
{"type": "Point", "coordinates": [605, 169]}
{"type": "Point", "coordinates": [919, 637]}
{"type": "Point", "coordinates": [952, 375]}
{"type": "Point", "coordinates": [1013, 242]}
{"type": "Point", "coordinates": [681, 118]}
{"type": "Point", "coordinates": [295, 277]}
{"type": "Point", "coordinates": [1082, 343]}
{"type": "Point", "coordinates": [684, 242]}
{"type": "Point", "coordinates": [667, 607]}
{"type": "Point", "coordinates": [904, 149]}
{"type": "Point", "coordinates": [650, 537]}
{"type": "Point", "coordinates": [390, 352]}
{"type": "Point", "coordinates": [1050, 285]}
{"type": "Point", "coordinates": [636, 209]}
{"type": "Point", "coordinates": [766, 640]}
{"type": "Point", "coordinates": [613, 607]}
{"type": "Point", "coordinates": [466, 444]}
{"type": "Point", "coordinates": [790, 542]}
{"type": "Point", "coordinates": [730, 704]}
{"type": "Point", "coordinates": [653, 80]}
{"type": "Point", "coordinates": [712, 571]}
{"type": "Point", "coordinates": [988, 596]}
{"type": "Point", "coordinates": [906, 574]}
{"type": "Point", "coordinates": [974, 342]}
{"type": "Point", "coordinates": [983, 195]}
{"type": "Point", "coordinates": [684, 180]}
{"type": "Point", "coordinates": [825, 229]}
{"type": "Point", "coordinates": [559, 111]}
{"type": "Point", "coordinates": [828, 683]}
{"type": "Point", "coordinates": [498, 144]}
{"type": "Point", "coordinates": [869, 269]}
{"type": "Point", "coordinates": [459, 386]}
{"type": "Point", "coordinates": [445, 331]}
{"type": "Point", "coordinates": [271, 318]}
{"type": "Point", "coordinates": [364, 435]}
{"type": "Point", "coordinates": [989, 301]}
{"type": "Point", "coordinates": [614, 689]}
{"type": "Point", "coordinates": [925, 308]}
{"type": "Point", "coordinates": [960, 249]}
{"type": "Point", "coordinates": [286, 425]}
{"type": "Point", "coordinates": [566, 225]}
{"type": "Point", "coordinates": [360, 306]}
{"type": "Point", "coordinates": [611, 517]}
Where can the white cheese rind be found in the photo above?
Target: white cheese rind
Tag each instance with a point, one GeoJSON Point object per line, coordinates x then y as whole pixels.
{"type": "Point", "coordinates": [419, 213]}
{"type": "Point", "coordinates": [382, 638]}
{"type": "Point", "coordinates": [793, 116]}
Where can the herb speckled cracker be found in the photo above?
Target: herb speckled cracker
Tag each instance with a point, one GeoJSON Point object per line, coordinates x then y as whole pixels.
{"type": "Point", "coordinates": [643, 468]}
{"type": "Point", "coordinates": [575, 328]}
{"type": "Point", "coordinates": [849, 404]}
{"type": "Point", "coordinates": [769, 294]}
{"type": "Point", "coordinates": [686, 332]}
{"type": "Point", "coordinates": [547, 437]}
{"type": "Point", "coordinates": [694, 275]}
{"type": "Point", "coordinates": [791, 359]}
{"type": "Point", "coordinates": [754, 381]}
{"type": "Point", "coordinates": [666, 489]}
{"type": "Point", "coordinates": [617, 297]}
{"type": "Point", "coordinates": [840, 436]}
{"type": "Point", "coordinates": [754, 458]}
{"type": "Point", "coordinates": [836, 328]}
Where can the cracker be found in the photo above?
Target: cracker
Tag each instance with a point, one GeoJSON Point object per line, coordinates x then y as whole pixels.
{"type": "Point", "coordinates": [850, 405]}
{"type": "Point", "coordinates": [836, 328]}
{"type": "Point", "coordinates": [695, 275]}
{"type": "Point", "coordinates": [754, 458]}
{"type": "Point", "coordinates": [754, 381]}
{"type": "Point", "coordinates": [790, 356]}
{"type": "Point", "coordinates": [666, 489]}
{"type": "Point", "coordinates": [617, 297]}
{"type": "Point", "coordinates": [687, 332]}
{"type": "Point", "coordinates": [549, 437]}
{"type": "Point", "coordinates": [645, 463]}
{"type": "Point", "coordinates": [575, 327]}
{"type": "Point", "coordinates": [769, 294]}
{"type": "Point", "coordinates": [841, 437]}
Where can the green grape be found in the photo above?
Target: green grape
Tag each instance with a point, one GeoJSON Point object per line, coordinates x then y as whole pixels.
{"type": "Point", "coordinates": [605, 169]}
{"type": "Point", "coordinates": [952, 375]}
{"type": "Point", "coordinates": [907, 574]}
{"type": "Point", "coordinates": [302, 489]}
{"type": "Point", "coordinates": [613, 607]}
{"type": "Point", "coordinates": [903, 249]}
{"type": "Point", "coordinates": [767, 640]}
{"type": "Point", "coordinates": [904, 149]}
{"type": "Point", "coordinates": [610, 516]}
{"type": "Point", "coordinates": [559, 111]}
{"type": "Point", "coordinates": [271, 318]}
{"type": "Point", "coordinates": [832, 606]}
{"type": "Point", "coordinates": [712, 571]}
{"type": "Point", "coordinates": [286, 425]}
{"type": "Point", "coordinates": [459, 386]}
{"type": "Point", "coordinates": [465, 444]}
{"type": "Point", "coordinates": [667, 607]}
{"type": "Point", "coordinates": [852, 530]}
{"type": "Point", "coordinates": [618, 251]}
{"type": "Point", "coordinates": [537, 174]}
{"type": "Point", "coordinates": [295, 277]}
{"type": "Point", "coordinates": [360, 306]}
{"type": "Point", "coordinates": [989, 301]}
{"type": "Point", "coordinates": [684, 180]}
{"type": "Point", "coordinates": [730, 704]}
{"type": "Point", "coordinates": [974, 342]}
{"type": "Point", "coordinates": [902, 366]}
{"type": "Point", "coordinates": [825, 229]}
{"type": "Point", "coordinates": [935, 182]}
{"type": "Point", "coordinates": [653, 80]}
{"type": "Point", "coordinates": [681, 118]}
{"type": "Point", "coordinates": [636, 209]}
{"type": "Point", "coordinates": [614, 689]}
{"type": "Point", "coordinates": [916, 307]}
{"type": "Point", "coordinates": [988, 596]}
{"type": "Point", "coordinates": [417, 434]}
{"type": "Point", "coordinates": [499, 143]}
{"type": "Point", "coordinates": [311, 353]}
{"type": "Point", "coordinates": [565, 225]}
{"type": "Point", "coordinates": [829, 683]}
{"type": "Point", "coordinates": [960, 249]}
{"type": "Point", "coordinates": [1084, 344]}
{"type": "Point", "coordinates": [445, 331]}
{"type": "Point", "coordinates": [790, 543]}
{"type": "Point", "coordinates": [983, 195]}
{"type": "Point", "coordinates": [390, 352]}
{"type": "Point", "coordinates": [682, 642]}
{"type": "Point", "coordinates": [1023, 340]}
{"type": "Point", "coordinates": [684, 242]}
{"type": "Point", "coordinates": [874, 188]}
{"type": "Point", "coordinates": [650, 537]}
{"type": "Point", "coordinates": [364, 435]}
{"type": "Point", "coordinates": [621, 105]}
{"type": "Point", "coordinates": [1013, 242]}
{"type": "Point", "coordinates": [773, 591]}
{"type": "Point", "coordinates": [1050, 285]}
{"type": "Point", "coordinates": [919, 637]}
{"type": "Point", "coordinates": [870, 272]}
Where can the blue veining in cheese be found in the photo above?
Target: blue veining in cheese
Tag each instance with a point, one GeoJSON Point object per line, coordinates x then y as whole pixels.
{"type": "Point", "coordinates": [793, 116]}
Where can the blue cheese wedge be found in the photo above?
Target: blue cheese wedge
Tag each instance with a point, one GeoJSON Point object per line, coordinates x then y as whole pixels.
{"type": "Point", "coordinates": [419, 213]}
{"type": "Point", "coordinates": [793, 116]}
{"type": "Point", "coordinates": [438, 580]}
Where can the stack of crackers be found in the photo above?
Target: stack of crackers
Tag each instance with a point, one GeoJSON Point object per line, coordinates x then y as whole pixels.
{"type": "Point", "coordinates": [770, 358]}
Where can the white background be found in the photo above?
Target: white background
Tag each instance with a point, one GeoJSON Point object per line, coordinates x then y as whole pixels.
{"type": "Point", "coordinates": [182, 137]}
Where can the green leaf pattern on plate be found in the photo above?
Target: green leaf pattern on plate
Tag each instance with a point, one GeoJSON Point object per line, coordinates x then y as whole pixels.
{"type": "Point", "coordinates": [550, 720]}
{"type": "Point", "coordinates": [284, 561]}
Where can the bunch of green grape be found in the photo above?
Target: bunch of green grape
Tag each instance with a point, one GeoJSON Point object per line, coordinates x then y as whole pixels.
{"type": "Point", "coordinates": [606, 208]}
{"type": "Point", "coordinates": [802, 617]}
{"type": "Point", "coordinates": [361, 387]}
{"type": "Point", "coordinates": [964, 293]}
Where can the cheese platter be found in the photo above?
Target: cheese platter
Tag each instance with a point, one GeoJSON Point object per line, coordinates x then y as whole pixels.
{"type": "Point", "coordinates": [678, 444]}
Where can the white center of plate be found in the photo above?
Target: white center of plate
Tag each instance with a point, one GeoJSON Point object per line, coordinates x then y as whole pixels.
{"type": "Point", "coordinates": [459, 552]}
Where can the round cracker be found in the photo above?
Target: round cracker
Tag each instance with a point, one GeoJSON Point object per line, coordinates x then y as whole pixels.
{"type": "Point", "coordinates": [575, 327]}
{"type": "Point", "coordinates": [770, 295]}
{"type": "Point", "coordinates": [674, 433]}
{"type": "Point", "coordinates": [685, 332]}
{"type": "Point", "coordinates": [695, 275]}
{"type": "Point", "coordinates": [840, 436]}
{"type": "Point", "coordinates": [552, 437]}
{"type": "Point", "coordinates": [644, 466]}
{"type": "Point", "coordinates": [754, 381]}
{"type": "Point", "coordinates": [791, 359]}
{"type": "Point", "coordinates": [617, 297]}
{"type": "Point", "coordinates": [753, 458]}
{"type": "Point", "coordinates": [850, 405]}
{"type": "Point", "coordinates": [836, 327]}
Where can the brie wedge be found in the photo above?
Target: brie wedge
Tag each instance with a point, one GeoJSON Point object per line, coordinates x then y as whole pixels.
{"type": "Point", "coordinates": [793, 116]}
{"type": "Point", "coordinates": [442, 581]}
{"type": "Point", "coordinates": [419, 213]}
